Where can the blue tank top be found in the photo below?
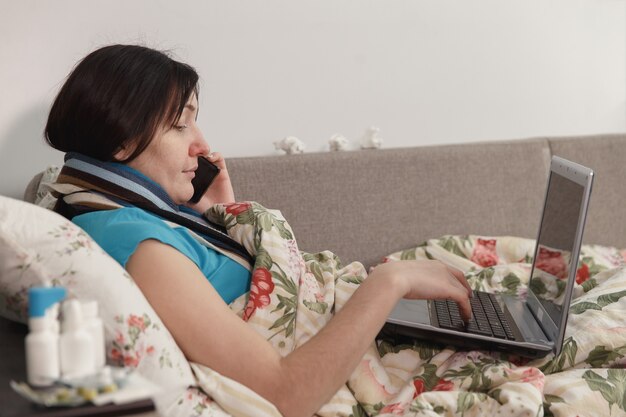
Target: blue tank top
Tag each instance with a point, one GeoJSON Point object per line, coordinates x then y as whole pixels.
{"type": "Point", "coordinates": [120, 231]}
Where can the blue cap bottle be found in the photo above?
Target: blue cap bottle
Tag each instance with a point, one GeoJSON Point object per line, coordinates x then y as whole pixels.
{"type": "Point", "coordinates": [42, 343]}
{"type": "Point", "coordinates": [42, 298]}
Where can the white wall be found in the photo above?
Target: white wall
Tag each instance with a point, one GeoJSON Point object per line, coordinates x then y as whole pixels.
{"type": "Point", "coordinates": [423, 71]}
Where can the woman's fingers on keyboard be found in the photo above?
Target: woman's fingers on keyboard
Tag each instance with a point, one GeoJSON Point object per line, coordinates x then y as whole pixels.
{"type": "Point", "coordinates": [461, 278]}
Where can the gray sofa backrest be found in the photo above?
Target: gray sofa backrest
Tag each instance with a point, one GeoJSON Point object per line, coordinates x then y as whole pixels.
{"type": "Point", "coordinates": [363, 205]}
{"type": "Point", "coordinates": [606, 154]}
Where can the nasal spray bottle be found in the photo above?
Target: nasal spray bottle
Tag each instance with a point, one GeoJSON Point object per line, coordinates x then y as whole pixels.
{"type": "Point", "coordinates": [42, 343]}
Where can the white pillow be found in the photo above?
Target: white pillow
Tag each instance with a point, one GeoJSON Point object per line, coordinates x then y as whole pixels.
{"type": "Point", "coordinates": [38, 246]}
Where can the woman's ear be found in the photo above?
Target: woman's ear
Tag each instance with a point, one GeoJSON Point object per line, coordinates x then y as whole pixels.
{"type": "Point", "coordinates": [123, 153]}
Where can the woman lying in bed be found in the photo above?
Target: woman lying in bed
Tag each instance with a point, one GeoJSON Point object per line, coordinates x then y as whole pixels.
{"type": "Point", "coordinates": [126, 116]}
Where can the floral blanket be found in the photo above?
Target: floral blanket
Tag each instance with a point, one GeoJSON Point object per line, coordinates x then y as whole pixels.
{"type": "Point", "coordinates": [294, 294]}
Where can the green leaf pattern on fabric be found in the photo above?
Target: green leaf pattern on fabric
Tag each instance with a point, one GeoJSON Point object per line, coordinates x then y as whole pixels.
{"type": "Point", "coordinates": [454, 244]}
{"type": "Point", "coordinates": [600, 355]}
{"type": "Point", "coordinates": [475, 372]}
{"type": "Point", "coordinates": [589, 284]}
{"type": "Point", "coordinates": [567, 358]}
{"type": "Point", "coordinates": [511, 282]}
{"type": "Point", "coordinates": [612, 387]}
{"type": "Point", "coordinates": [601, 302]}
{"type": "Point", "coordinates": [467, 400]}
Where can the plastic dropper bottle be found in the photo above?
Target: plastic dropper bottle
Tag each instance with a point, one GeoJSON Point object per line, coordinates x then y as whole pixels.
{"type": "Point", "coordinates": [42, 343]}
{"type": "Point", "coordinates": [93, 324]}
{"type": "Point", "coordinates": [76, 344]}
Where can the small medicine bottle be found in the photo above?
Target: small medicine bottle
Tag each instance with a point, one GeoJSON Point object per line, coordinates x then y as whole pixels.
{"type": "Point", "coordinates": [93, 324]}
{"type": "Point", "coordinates": [76, 344]}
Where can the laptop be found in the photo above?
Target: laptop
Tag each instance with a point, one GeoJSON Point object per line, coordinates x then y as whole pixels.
{"type": "Point", "coordinates": [530, 326]}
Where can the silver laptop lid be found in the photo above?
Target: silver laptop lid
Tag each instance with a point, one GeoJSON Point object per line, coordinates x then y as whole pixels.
{"type": "Point", "coordinates": [558, 246]}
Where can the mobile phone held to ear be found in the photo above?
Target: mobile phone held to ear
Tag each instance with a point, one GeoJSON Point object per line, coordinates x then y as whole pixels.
{"type": "Point", "coordinates": [205, 174]}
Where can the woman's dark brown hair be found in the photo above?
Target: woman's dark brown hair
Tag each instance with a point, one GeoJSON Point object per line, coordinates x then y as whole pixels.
{"type": "Point", "coordinates": [117, 98]}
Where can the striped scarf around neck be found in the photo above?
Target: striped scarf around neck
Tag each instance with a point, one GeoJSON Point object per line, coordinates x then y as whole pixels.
{"type": "Point", "coordinates": [86, 184]}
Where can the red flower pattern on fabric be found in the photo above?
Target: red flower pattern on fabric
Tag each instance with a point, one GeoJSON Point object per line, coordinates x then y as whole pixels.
{"type": "Point", "coordinates": [552, 262]}
{"type": "Point", "coordinates": [128, 348]}
{"type": "Point", "coordinates": [518, 360]}
{"type": "Point", "coordinates": [237, 208]}
{"type": "Point", "coordinates": [131, 361]}
{"type": "Point", "coordinates": [396, 409]}
{"type": "Point", "coordinates": [484, 253]}
{"type": "Point", "coordinates": [535, 377]}
{"type": "Point", "coordinates": [136, 321]}
{"type": "Point", "coordinates": [419, 386]}
{"type": "Point", "coordinates": [444, 385]}
{"type": "Point", "coordinates": [582, 274]}
{"type": "Point", "coordinates": [116, 355]}
{"type": "Point", "coordinates": [260, 290]}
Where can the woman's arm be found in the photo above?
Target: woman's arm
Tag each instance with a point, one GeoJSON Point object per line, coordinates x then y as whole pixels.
{"type": "Point", "coordinates": [209, 333]}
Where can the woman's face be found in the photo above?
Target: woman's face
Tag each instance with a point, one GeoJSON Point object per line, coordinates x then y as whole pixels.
{"type": "Point", "coordinates": [171, 158]}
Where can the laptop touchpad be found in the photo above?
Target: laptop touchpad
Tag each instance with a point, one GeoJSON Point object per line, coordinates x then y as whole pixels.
{"type": "Point", "coordinates": [411, 312]}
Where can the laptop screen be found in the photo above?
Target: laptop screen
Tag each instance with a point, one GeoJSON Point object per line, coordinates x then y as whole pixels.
{"type": "Point", "coordinates": [555, 244]}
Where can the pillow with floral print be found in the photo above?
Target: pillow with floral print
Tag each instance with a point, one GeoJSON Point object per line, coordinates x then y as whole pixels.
{"type": "Point", "coordinates": [39, 247]}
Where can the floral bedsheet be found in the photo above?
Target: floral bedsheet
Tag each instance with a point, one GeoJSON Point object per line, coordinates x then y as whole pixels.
{"type": "Point", "coordinates": [294, 294]}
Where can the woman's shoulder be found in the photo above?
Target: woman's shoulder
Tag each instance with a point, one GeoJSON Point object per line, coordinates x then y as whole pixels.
{"type": "Point", "coordinates": [129, 220]}
{"type": "Point", "coordinates": [123, 214]}
{"type": "Point", "coordinates": [120, 231]}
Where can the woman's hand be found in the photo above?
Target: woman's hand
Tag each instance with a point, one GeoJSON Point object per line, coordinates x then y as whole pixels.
{"type": "Point", "coordinates": [430, 280]}
{"type": "Point", "coordinates": [220, 191]}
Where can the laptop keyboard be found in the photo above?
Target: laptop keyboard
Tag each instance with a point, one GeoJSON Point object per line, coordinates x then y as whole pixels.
{"type": "Point", "coordinates": [487, 319]}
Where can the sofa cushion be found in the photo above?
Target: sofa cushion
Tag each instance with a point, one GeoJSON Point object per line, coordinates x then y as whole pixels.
{"type": "Point", "coordinates": [606, 219]}
{"type": "Point", "coordinates": [362, 205]}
